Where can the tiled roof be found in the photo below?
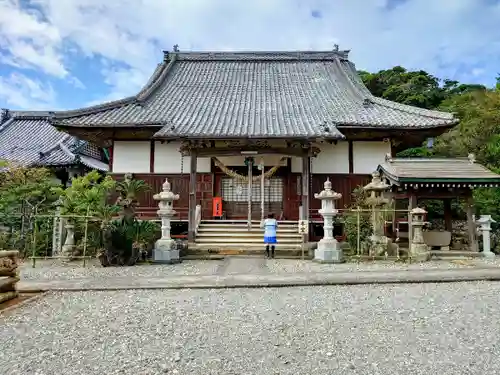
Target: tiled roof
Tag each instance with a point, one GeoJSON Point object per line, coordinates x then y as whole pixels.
{"type": "Point", "coordinates": [252, 94]}
{"type": "Point", "coordinates": [466, 170]}
{"type": "Point", "coordinates": [28, 138]}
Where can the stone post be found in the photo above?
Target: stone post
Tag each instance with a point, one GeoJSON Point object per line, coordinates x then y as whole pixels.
{"type": "Point", "coordinates": [165, 251]}
{"type": "Point", "coordinates": [57, 230]}
{"type": "Point", "coordinates": [419, 251]}
{"type": "Point", "coordinates": [484, 222]}
{"type": "Point", "coordinates": [69, 244]}
{"type": "Point", "coordinates": [328, 250]}
{"type": "Point", "coordinates": [376, 188]}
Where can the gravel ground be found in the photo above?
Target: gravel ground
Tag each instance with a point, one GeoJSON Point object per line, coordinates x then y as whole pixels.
{"type": "Point", "coordinates": [56, 270]}
{"type": "Point", "coordinates": [290, 265]}
{"type": "Point", "coordinates": [405, 329]}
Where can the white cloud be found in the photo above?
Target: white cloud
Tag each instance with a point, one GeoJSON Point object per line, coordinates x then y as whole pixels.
{"type": "Point", "coordinates": [20, 91]}
{"type": "Point", "coordinates": [29, 42]}
{"type": "Point", "coordinates": [450, 38]}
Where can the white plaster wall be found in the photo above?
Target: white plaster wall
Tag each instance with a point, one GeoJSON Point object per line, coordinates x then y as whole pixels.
{"type": "Point", "coordinates": [333, 158]}
{"type": "Point", "coordinates": [239, 160]}
{"type": "Point", "coordinates": [368, 155]}
{"type": "Point", "coordinates": [131, 156]}
{"type": "Point", "coordinates": [168, 160]}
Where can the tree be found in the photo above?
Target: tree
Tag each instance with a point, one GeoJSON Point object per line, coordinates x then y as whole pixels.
{"type": "Point", "coordinates": [22, 189]}
{"type": "Point", "coordinates": [128, 191]}
{"type": "Point", "coordinates": [479, 129]}
{"type": "Point", "coordinates": [417, 88]}
{"type": "Point", "coordinates": [88, 198]}
{"type": "Point", "coordinates": [21, 186]}
{"type": "Point", "coordinates": [479, 133]}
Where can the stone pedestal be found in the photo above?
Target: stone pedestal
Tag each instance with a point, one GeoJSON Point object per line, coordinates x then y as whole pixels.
{"type": "Point", "coordinates": [419, 251]}
{"type": "Point", "coordinates": [328, 250]}
{"type": "Point", "coordinates": [484, 222]}
{"type": "Point", "coordinates": [164, 250]}
{"type": "Point", "coordinates": [376, 188]}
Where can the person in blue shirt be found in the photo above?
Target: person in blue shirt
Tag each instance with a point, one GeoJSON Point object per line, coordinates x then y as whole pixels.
{"type": "Point", "coordinates": [270, 225]}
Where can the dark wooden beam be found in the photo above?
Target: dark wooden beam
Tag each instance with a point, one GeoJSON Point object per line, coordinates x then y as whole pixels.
{"type": "Point", "coordinates": [429, 195]}
{"type": "Point", "coordinates": [111, 150]}
{"type": "Point", "coordinates": [207, 152]}
{"type": "Point", "coordinates": [152, 157]}
{"type": "Point", "coordinates": [448, 225]}
{"type": "Point", "coordinates": [471, 225]}
{"type": "Point", "coordinates": [192, 196]}
{"type": "Point", "coordinates": [306, 175]}
{"type": "Point", "coordinates": [351, 156]}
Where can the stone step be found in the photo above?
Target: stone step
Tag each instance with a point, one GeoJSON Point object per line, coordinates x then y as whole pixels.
{"type": "Point", "coordinates": [239, 221]}
{"type": "Point", "coordinates": [458, 254]}
{"type": "Point", "coordinates": [242, 245]}
{"type": "Point", "coordinates": [231, 229]}
{"type": "Point", "coordinates": [249, 235]}
{"type": "Point", "coordinates": [243, 225]}
{"type": "Point", "coordinates": [245, 240]}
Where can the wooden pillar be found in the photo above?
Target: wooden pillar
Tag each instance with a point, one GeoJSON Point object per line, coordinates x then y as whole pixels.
{"type": "Point", "coordinates": [110, 152]}
{"type": "Point", "coordinates": [249, 193]}
{"type": "Point", "coordinates": [306, 174]}
{"type": "Point", "coordinates": [192, 196]}
{"type": "Point", "coordinates": [152, 157]}
{"type": "Point", "coordinates": [448, 225]}
{"type": "Point", "coordinates": [471, 225]}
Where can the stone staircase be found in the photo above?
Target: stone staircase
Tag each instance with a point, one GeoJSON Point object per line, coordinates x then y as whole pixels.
{"type": "Point", "coordinates": [232, 237]}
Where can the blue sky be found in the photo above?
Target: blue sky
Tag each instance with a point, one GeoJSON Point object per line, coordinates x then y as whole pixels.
{"type": "Point", "coordinates": [63, 54]}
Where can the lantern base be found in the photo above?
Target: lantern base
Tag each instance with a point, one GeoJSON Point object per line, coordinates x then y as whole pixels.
{"type": "Point", "coordinates": [488, 254]}
{"type": "Point", "coordinates": [419, 253]}
{"type": "Point", "coordinates": [328, 251]}
{"type": "Point", "coordinates": [165, 252]}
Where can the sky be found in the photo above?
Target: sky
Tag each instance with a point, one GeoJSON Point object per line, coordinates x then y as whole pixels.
{"type": "Point", "coordinates": [68, 54]}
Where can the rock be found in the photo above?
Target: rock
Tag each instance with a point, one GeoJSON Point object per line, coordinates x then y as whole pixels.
{"type": "Point", "coordinates": [164, 368]}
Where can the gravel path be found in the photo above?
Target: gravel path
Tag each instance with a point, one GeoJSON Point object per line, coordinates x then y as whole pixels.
{"type": "Point", "coordinates": [55, 270]}
{"type": "Point", "coordinates": [406, 329]}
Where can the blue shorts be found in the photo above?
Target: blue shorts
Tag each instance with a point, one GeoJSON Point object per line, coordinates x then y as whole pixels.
{"type": "Point", "coordinates": [269, 239]}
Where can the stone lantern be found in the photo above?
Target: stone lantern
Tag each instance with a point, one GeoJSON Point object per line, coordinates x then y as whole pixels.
{"type": "Point", "coordinates": [484, 222]}
{"type": "Point", "coordinates": [418, 249]}
{"type": "Point", "coordinates": [377, 201]}
{"type": "Point", "coordinates": [165, 251]}
{"type": "Point", "coordinates": [328, 250]}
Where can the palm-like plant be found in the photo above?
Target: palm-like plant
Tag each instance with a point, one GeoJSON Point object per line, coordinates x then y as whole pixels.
{"type": "Point", "coordinates": [128, 190]}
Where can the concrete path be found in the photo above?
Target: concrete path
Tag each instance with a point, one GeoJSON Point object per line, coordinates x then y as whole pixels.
{"type": "Point", "coordinates": [263, 279]}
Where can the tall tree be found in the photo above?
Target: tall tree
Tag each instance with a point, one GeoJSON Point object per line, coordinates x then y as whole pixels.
{"type": "Point", "coordinates": [417, 88]}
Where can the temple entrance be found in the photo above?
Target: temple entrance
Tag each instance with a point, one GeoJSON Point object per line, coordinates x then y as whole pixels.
{"type": "Point", "coordinates": [234, 193]}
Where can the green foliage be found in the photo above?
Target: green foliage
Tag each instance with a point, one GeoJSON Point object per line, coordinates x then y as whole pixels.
{"type": "Point", "coordinates": [478, 132]}
{"type": "Point", "coordinates": [88, 195]}
{"type": "Point", "coordinates": [358, 222]}
{"type": "Point", "coordinates": [128, 191]}
{"type": "Point", "coordinates": [417, 88]}
{"type": "Point", "coordinates": [25, 186]}
{"type": "Point", "coordinates": [21, 190]}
